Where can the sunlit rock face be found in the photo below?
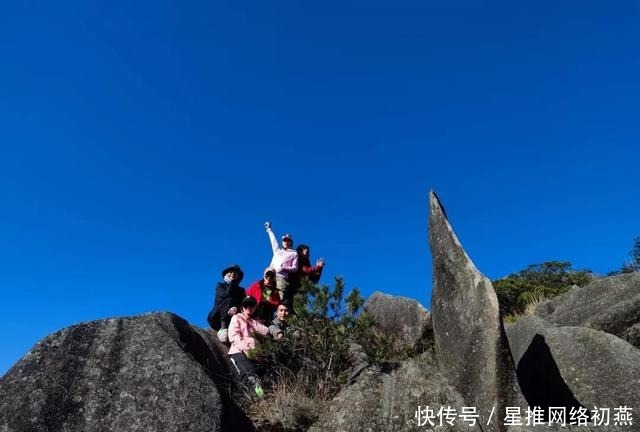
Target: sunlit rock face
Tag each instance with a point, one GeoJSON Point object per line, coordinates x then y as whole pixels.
{"type": "Point", "coordinates": [402, 317]}
{"type": "Point", "coordinates": [152, 372]}
{"type": "Point", "coordinates": [471, 347]}
{"type": "Point", "coordinates": [610, 304]}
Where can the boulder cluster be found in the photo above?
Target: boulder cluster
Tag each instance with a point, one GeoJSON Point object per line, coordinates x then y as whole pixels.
{"type": "Point", "coordinates": [156, 372]}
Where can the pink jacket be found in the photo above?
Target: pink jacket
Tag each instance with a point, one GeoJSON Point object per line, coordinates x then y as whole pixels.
{"type": "Point", "coordinates": [241, 332]}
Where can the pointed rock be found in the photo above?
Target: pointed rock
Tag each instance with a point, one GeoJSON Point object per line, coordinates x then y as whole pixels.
{"type": "Point", "coordinates": [471, 346]}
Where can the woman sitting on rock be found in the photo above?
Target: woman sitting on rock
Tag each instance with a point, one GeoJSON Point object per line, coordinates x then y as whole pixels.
{"type": "Point", "coordinates": [228, 296]}
{"type": "Point", "coordinates": [241, 332]}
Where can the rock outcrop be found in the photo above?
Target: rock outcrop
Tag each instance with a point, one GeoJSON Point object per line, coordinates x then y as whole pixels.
{"type": "Point", "coordinates": [610, 304]}
{"type": "Point", "coordinates": [388, 399]}
{"type": "Point", "coordinates": [150, 372]}
{"type": "Point", "coordinates": [471, 346]}
{"type": "Point", "coordinates": [405, 318]}
{"type": "Point", "coordinates": [574, 366]}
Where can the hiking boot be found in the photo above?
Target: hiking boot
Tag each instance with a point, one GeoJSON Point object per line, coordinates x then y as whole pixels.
{"type": "Point", "coordinates": [258, 389]}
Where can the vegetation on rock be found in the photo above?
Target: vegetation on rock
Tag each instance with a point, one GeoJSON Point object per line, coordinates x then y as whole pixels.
{"type": "Point", "coordinates": [316, 358]}
{"type": "Point", "coordinates": [537, 282]}
{"type": "Point", "coordinates": [632, 262]}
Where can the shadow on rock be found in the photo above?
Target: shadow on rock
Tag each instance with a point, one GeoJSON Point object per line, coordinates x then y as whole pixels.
{"type": "Point", "coordinates": [540, 379]}
{"type": "Point", "coordinates": [193, 343]}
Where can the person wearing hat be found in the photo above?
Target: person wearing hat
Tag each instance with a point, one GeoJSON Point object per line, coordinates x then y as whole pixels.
{"type": "Point", "coordinates": [229, 294]}
{"type": "Point", "coordinates": [266, 294]}
{"type": "Point", "coordinates": [241, 335]}
{"type": "Point", "coordinates": [284, 261]}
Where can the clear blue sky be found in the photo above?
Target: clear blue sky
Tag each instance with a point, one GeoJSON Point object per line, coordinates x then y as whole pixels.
{"type": "Point", "coordinates": [143, 145]}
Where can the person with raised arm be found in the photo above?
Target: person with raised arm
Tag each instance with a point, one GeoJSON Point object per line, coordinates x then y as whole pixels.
{"type": "Point", "coordinates": [284, 261]}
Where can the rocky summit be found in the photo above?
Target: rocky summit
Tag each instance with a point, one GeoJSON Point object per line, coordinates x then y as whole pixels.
{"type": "Point", "coordinates": [156, 372]}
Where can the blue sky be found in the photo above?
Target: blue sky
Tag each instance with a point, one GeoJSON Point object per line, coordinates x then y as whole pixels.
{"type": "Point", "coordinates": [143, 145]}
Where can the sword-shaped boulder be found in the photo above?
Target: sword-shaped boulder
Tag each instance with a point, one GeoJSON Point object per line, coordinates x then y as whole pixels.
{"type": "Point", "coordinates": [471, 345]}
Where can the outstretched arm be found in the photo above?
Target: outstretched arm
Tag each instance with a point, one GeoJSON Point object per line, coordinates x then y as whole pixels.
{"type": "Point", "coordinates": [272, 237]}
{"type": "Point", "coordinates": [260, 328]}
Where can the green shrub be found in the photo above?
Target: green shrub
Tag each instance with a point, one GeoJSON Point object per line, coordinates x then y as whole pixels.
{"type": "Point", "coordinates": [313, 362]}
{"type": "Point", "coordinates": [536, 282]}
{"type": "Point", "coordinates": [632, 263]}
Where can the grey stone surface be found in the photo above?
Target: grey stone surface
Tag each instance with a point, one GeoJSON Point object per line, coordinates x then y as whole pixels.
{"type": "Point", "coordinates": [387, 400]}
{"type": "Point", "coordinates": [358, 360]}
{"type": "Point", "coordinates": [554, 427]}
{"type": "Point", "coordinates": [403, 317]}
{"type": "Point", "coordinates": [152, 372]}
{"type": "Point", "coordinates": [594, 368]}
{"type": "Point", "coordinates": [472, 349]}
{"type": "Point", "coordinates": [610, 304]}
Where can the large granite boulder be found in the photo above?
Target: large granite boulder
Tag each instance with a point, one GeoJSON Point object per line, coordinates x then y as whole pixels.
{"type": "Point", "coordinates": [471, 346]}
{"type": "Point", "coordinates": [610, 304]}
{"type": "Point", "coordinates": [575, 367]}
{"type": "Point", "coordinates": [387, 399]}
{"type": "Point", "coordinates": [405, 318]}
{"type": "Point", "coordinates": [152, 372]}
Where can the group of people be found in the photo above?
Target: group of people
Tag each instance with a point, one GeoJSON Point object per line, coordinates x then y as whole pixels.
{"type": "Point", "coordinates": [237, 315]}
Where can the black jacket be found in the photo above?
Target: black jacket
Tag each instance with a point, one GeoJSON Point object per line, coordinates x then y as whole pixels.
{"type": "Point", "coordinates": [227, 296]}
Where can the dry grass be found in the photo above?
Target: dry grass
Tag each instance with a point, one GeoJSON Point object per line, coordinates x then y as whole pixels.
{"type": "Point", "coordinates": [286, 407]}
{"type": "Point", "coordinates": [533, 302]}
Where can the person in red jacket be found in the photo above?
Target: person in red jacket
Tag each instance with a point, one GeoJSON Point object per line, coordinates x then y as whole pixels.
{"type": "Point", "coordinates": [308, 271]}
{"type": "Point", "coordinates": [305, 271]}
{"type": "Point", "coordinates": [266, 295]}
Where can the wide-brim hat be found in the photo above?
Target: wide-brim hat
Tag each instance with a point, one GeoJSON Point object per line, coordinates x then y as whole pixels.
{"type": "Point", "coordinates": [234, 267]}
{"type": "Point", "coordinates": [249, 301]}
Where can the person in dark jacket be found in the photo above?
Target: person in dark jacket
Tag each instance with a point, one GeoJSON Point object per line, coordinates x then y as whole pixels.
{"type": "Point", "coordinates": [229, 295]}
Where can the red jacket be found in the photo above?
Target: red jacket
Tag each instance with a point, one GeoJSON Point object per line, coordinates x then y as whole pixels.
{"type": "Point", "coordinates": [255, 290]}
{"type": "Point", "coordinates": [266, 307]}
{"type": "Point", "coordinates": [313, 273]}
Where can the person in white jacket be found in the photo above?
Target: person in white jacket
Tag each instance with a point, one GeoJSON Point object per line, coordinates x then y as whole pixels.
{"type": "Point", "coordinates": [284, 261]}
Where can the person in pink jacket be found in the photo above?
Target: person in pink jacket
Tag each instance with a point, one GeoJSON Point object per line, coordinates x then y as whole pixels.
{"type": "Point", "coordinates": [284, 261]}
{"type": "Point", "coordinates": [241, 331]}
